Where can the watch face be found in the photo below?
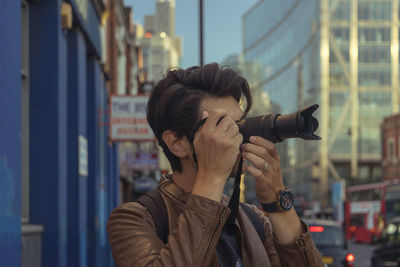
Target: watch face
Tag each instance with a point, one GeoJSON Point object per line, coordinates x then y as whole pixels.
{"type": "Point", "coordinates": [286, 200]}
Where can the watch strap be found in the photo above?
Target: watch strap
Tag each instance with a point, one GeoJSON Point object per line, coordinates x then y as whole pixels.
{"type": "Point", "coordinates": [271, 207]}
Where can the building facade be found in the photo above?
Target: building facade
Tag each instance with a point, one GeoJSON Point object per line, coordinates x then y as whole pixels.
{"type": "Point", "coordinates": [342, 55]}
{"type": "Point", "coordinates": [159, 55]}
{"type": "Point", "coordinates": [391, 147]}
{"type": "Point", "coordinates": [58, 172]}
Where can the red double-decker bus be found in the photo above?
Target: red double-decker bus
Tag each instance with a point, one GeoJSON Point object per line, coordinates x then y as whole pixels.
{"type": "Point", "coordinates": [368, 207]}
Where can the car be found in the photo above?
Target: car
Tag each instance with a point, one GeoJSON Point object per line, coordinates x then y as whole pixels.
{"type": "Point", "coordinates": [329, 238]}
{"type": "Point", "coordinates": [387, 252]}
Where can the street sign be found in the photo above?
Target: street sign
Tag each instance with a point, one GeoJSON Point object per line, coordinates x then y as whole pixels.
{"type": "Point", "coordinates": [128, 120]}
{"type": "Point", "coordinates": [141, 161]}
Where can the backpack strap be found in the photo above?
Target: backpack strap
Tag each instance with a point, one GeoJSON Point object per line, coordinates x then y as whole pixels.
{"type": "Point", "coordinates": [255, 221]}
{"type": "Point", "coordinates": [154, 203]}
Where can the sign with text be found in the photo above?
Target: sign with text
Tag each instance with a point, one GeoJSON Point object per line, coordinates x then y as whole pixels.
{"type": "Point", "coordinates": [141, 161]}
{"type": "Point", "coordinates": [128, 120]}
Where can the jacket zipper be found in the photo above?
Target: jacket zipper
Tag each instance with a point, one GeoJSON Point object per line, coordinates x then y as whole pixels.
{"type": "Point", "coordinates": [221, 222]}
{"type": "Point", "coordinates": [302, 246]}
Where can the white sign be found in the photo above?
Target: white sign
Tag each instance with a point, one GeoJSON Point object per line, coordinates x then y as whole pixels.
{"type": "Point", "coordinates": [365, 207]}
{"type": "Point", "coordinates": [128, 120]}
{"type": "Point", "coordinates": [83, 156]}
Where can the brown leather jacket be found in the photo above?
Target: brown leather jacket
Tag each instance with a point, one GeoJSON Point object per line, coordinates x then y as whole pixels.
{"type": "Point", "coordinates": [195, 224]}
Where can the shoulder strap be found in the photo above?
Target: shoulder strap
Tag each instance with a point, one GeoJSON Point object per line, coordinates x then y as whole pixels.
{"type": "Point", "coordinates": [154, 203]}
{"type": "Point", "coordinates": [255, 221]}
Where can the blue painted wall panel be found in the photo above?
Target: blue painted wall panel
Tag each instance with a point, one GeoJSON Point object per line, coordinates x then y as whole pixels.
{"type": "Point", "coordinates": [10, 139]}
{"type": "Point", "coordinates": [63, 150]}
{"type": "Point", "coordinates": [98, 250]}
{"type": "Point", "coordinates": [93, 161]}
{"type": "Point", "coordinates": [77, 184]}
{"type": "Point", "coordinates": [48, 126]}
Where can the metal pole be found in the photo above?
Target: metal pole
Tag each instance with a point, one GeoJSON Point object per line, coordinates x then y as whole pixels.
{"type": "Point", "coordinates": [324, 54]}
{"type": "Point", "coordinates": [201, 32]}
{"type": "Point", "coordinates": [354, 88]}
{"type": "Point", "coordinates": [394, 43]}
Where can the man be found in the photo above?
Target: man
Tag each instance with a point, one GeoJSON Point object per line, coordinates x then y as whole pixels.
{"type": "Point", "coordinates": [193, 194]}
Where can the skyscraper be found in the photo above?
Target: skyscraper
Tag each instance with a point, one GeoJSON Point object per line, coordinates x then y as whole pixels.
{"type": "Point", "coordinates": [163, 20]}
{"type": "Point", "coordinates": [162, 50]}
{"type": "Point", "coordinates": [165, 14]}
{"type": "Point", "coordinates": [342, 55]}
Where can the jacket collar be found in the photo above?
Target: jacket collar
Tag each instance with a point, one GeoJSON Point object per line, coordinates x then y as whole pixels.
{"type": "Point", "coordinates": [170, 188]}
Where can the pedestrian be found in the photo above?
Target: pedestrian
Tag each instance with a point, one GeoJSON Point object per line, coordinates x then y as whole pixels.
{"type": "Point", "coordinates": [205, 227]}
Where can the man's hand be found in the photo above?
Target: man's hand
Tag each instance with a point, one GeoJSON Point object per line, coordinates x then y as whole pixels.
{"type": "Point", "coordinates": [268, 180]}
{"type": "Point", "coordinates": [217, 148]}
{"type": "Point", "coordinates": [286, 225]}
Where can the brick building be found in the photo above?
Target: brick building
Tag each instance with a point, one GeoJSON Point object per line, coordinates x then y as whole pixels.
{"type": "Point", "coordinates": [391, 147]}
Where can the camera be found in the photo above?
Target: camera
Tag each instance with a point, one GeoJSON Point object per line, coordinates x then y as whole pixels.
{"type": "Point", "coordinates": [276, 127]}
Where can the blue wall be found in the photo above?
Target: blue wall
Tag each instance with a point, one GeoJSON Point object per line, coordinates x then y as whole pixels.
{"type": "Point", "coordinates": [93, 140]}
{"type": "Point", "coordinates": [77, 184]}
{"type": "Point", "coordinates": [48, 129]}
{"type": "Point", "coordinates": [67, 88]}
{"type": "Point", "coordinates": [98, 248]}
{"type": "Point", "coordinates": [10, 133]}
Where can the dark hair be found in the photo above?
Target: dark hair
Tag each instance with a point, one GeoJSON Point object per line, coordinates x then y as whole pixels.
{"type": "Point", "coordinates": [175, 100]}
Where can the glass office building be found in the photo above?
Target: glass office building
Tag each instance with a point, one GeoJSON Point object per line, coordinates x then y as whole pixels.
{"type": "Point", "coordinates": [340, 54]}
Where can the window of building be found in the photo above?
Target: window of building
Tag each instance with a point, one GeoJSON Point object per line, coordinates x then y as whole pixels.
{"type": "Point", "coordinates": [373, 74]}
{"type": "Point", "coordinates": [374, 54]}
{"type": "Point", "coordinates": [344, 53]}
{"type": "Point", "coordinates": [338, 98]}
{"type": "Point", "coordinates": [374, 10]}
{"type": "Point", "coordinates": [341, 34]}
{"type": "Point", "coordinates": [398, 152]}
{"type": "Point", "coordinates": [373, 35]}
{"type": "Point", "coordinates": [391, 149]}
{"type": "Point", "coordinates": [336, 75]}
{"type": "Point", "coordinates": [342, 10]}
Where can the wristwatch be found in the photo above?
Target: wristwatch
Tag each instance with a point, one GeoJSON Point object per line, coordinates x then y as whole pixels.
{"type": "Point", "coordinates": [284, 203]}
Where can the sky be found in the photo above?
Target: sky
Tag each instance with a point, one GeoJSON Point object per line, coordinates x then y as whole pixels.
{"type": "Point", "coordinates": [222, 26]}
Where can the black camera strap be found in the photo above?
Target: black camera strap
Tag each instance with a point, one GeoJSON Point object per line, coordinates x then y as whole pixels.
{"type": "Point", "coordinates": [234, 201]}
{"type": "Point", "coordinates": [201, 123]}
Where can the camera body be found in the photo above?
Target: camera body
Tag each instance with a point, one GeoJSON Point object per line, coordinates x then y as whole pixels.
{"type": "Point", "coordinates": [277, 127]}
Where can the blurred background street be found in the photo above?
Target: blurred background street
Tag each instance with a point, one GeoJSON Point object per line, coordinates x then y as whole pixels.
{"type": "Point", "coordinates": [363, 252]}
{"type": "Point", "coordinates": [75, 76]}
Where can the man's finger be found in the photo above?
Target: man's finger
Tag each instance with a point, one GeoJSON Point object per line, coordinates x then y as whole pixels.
{"type": "Point", "coordinates": [255, 149]}
{"type": "Point", "coordinates": [255, 172]}
{"type": "Point", "coordinates": [213, 118]}
{"type": "Point", "coordinates": [232, 131]}
{"type": "Point", "coordinates": [268, 145]}
{"type": "Point", "coordinates": [225, 124]}
{"type": "Point", "coordinates": [257, 161]}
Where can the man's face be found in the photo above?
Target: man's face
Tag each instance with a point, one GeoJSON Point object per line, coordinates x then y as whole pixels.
{"type": "Point", "coordinates": [233, 111]}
